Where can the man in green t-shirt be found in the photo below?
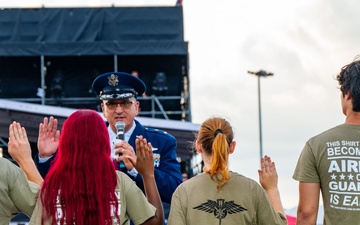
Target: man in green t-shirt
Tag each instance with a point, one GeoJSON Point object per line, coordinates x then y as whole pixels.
{"type": "Point", "coordinates": [330, 161]}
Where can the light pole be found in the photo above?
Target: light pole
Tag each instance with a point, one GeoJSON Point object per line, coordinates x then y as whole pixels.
{"type": "Point", "coordinates": [260, 73]}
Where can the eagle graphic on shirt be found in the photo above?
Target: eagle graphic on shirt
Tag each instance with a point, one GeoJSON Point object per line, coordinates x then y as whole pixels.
{"type": "Point", "coordinates": [220, 208]}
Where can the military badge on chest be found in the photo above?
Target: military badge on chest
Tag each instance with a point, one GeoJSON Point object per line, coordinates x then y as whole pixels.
{"type": "Point", "coordinates": [156, 159]}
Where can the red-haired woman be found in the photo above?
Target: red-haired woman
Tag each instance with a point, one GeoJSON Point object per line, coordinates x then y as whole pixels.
{"type": "Point", "coordinates": [220, 195]}
{"type": "Point", "coordinates": [83, 187]}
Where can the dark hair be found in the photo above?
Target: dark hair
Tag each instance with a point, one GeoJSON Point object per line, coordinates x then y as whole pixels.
{"type": "Point", "coordinates": [215, 136]}
{"type": "Point", "coordinates": [349, 81]}
{"type": "Point", "coordinates": [83, 176]}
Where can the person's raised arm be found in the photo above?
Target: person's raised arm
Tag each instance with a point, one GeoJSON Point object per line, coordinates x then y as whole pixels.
{"type": "Point", "coordinates": [48, 139]}
{"type": "Point", "coordinates": [144, 164]}
{"type": "Point", "coordinates": [20, 150]}
{"type": "Point", "coordinates": [268, 178]}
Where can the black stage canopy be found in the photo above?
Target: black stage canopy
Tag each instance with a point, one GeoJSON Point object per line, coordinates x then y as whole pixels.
{"type": "Point", "coordinates": [92, 31]}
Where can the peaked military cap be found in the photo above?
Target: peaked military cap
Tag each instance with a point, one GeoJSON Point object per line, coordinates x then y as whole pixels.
{"type": "Point", "coordinates": [118, 85]}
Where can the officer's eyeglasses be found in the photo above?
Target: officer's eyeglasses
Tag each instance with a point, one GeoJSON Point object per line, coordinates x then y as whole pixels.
{"type": "Point", "coordinates": [124, 105]}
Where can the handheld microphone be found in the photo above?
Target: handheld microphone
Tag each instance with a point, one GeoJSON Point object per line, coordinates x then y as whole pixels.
{"type": "Point", "coordinates": [120, 130]}
{"type": "Point", "coordinates": [120, 127]}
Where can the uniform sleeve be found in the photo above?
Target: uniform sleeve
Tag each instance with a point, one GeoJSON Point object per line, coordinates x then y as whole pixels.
{"type": "Point", "coordinates": [306, 169]}
{"type": "Point", "coordinates": [177, 216]}
{"type": "Point", "coordinates": [167, 174]}
{"type": "Point", "coordinates": [43, 167]}
{"type": "Point", "coordinates": [137, 206]}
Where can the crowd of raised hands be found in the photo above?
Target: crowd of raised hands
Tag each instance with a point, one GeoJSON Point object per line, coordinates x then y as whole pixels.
{"type": "Point", "coordinates": [48, 142]}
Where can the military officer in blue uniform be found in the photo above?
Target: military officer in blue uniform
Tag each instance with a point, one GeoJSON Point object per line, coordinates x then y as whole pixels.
{"type": "Point", "coordinates": [118, 92]}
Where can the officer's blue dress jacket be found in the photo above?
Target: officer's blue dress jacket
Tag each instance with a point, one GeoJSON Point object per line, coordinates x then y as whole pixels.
{"type": "Point", "coordinates": [167, 169]}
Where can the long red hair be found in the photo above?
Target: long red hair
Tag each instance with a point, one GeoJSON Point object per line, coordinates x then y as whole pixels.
{"type": "Point", "coordinates": [82, 179]}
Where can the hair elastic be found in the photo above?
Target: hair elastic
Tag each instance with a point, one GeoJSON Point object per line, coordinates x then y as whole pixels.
{"type": "Point", "coordinates": [217, 131]}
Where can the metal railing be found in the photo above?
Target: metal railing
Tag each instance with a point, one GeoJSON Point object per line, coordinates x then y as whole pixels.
{"type": "Point", "coordinates": [158, 105]}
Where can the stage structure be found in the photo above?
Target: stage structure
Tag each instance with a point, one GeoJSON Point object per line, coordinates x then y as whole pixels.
{"type": "Point", "coordinates": [50, 56]}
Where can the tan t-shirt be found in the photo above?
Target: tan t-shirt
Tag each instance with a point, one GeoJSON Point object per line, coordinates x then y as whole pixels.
{"type": "Point", "coordinates": [240, 201]}
{"type": "Point", "coordinates": [333, 159]}
{"type": "Point", "coordinates": [17, 194]}
{"type": "Point", "coordinates": [132, 204]}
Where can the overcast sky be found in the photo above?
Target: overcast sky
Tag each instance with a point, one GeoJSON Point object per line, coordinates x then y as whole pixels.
{"type": "Point", "coordinates": [304, 43]}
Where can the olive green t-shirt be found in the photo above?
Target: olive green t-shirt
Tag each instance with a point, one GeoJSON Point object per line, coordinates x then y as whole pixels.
{"type": "Point", "coordinates": [333, 159]}
{"type": "Point", "coordinates": [240, 201]}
